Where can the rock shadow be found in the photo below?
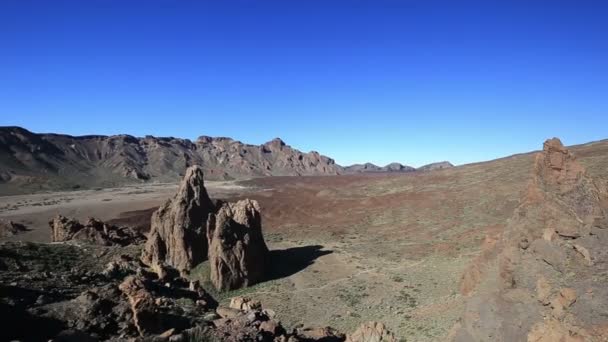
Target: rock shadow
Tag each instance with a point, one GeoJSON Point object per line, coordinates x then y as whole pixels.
{"type": "Point", "coordinates": [285, 262]}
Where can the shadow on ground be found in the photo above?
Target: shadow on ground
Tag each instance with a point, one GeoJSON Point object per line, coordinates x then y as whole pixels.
{"type": "Point", "coordinates": [285, 262]}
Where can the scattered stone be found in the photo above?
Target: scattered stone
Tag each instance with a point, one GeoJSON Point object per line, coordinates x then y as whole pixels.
{"type": "Point", "coordinates": [245, 304]}
{"type": "Point", "coordinates": [93, 232]}
{"type": "Point", "coordinates": [371, 332]}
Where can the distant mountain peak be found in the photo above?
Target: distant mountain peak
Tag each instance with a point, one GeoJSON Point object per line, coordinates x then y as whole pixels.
{"type": "Point", "coordinates": [57, 161]}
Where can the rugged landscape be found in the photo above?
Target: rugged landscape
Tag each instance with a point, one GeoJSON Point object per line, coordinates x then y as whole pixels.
{"type": "Point", "coordinates": [505, 250]}
{"type": "Point", "coordinates": [41, 162]}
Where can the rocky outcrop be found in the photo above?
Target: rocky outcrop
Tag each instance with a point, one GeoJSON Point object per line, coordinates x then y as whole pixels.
{"type": "Point", "coordinates": [92, 231]}
{"type": "Point", "coordinates": [177, 231]}
{"type": "Point", "coordinates": [142, 305]}
{"type": "Point", "coordinates": [369, 167]}
{"type": "Point", "coordinates": [10, 228]}
{"type": "Point", "coordinates": [548, 252]}
{"type": "Point", "coordinates": [436, 166]}
{"type": "Point", "coordinates": [237, 251]}
{"type": "Point", "coordinates": [371, 332]}
{"type": "Point", "coordinates": [394, 167]}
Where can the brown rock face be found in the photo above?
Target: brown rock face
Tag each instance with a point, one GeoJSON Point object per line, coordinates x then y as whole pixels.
{"type": "Point", "coordinates": [10, 228]}
{"type": "Point", "coordinates": [93, 231]}
{"type": "Point", "coordinates": [549, 252]}
{"type": "Point", "coordinates": [142, 305]}
{"type": "Point", "coordinates": [177, 231]}
{"type": "Point", "coordinates": [372, 332]}
{"type": "Point", "coordinates": [237, 251]}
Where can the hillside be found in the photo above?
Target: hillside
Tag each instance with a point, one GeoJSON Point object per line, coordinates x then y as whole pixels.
{"type": "Point", "coordinates": [31, 162]}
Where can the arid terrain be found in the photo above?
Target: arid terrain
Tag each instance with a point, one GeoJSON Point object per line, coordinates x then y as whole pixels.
{"type": "Point", "coordinates": [387, 247]}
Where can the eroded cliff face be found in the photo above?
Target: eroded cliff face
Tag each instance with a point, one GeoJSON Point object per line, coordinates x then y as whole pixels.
{"type": "Point", "coordinates": [177, 232]}
{"type": "Point", "coordinates": [543, 280]}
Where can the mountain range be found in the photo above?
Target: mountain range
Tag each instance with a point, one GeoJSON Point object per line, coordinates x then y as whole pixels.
{"type": "Point", "coordinates": [47, 161]}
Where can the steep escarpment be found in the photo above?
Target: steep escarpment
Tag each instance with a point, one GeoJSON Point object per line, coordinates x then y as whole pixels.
{"type": "Point", "coordinates": [547, 280]}
{"type": "Point", "coordinates": [30, 161]}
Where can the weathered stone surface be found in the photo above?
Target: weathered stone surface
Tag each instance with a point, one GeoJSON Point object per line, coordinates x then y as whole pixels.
{"type": "Point", "coordinates": [142, 305]}
{"type": "Point", "coordinates": [93, 232]}
{"type": "Point", "coordinates": [177, 232]}
{"type": "Point", "coordinates": [10, 228]}
{"type": "Point", "coordinates": [245, 304]}
{"type": "Point", "coordinates": [371, 332]}
{"type": "Point", "coordinates": [548, 239]}
{"type": "Point", "coordinates": [319, 334]}
{"type": "Point", "coordinates": [237, 251]}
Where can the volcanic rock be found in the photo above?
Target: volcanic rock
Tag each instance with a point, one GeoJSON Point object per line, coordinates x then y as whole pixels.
{"type": "Point", "coordinates": [237, 251]}
{"type": "Point", "coordinates": [142, 305]}
{"type": "Point", "coordinates": [10, 228]}
{"type": "Point", "coordinates": [371, 332]}
{"type": "Point", "coordinates": [548, 251]}
{"type": "Point", "coordinates": [436, 166]}
{"type": "Point", "coordinates": [177, 232]}
{"type": "Point", "coordinates": [245, 304]}
{"type": "Point", "coordinates": [93, 231]}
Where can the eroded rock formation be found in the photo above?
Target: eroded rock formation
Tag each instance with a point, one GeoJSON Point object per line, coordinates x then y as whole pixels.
{"type": "Point", "coordinates": [371, 332]}
{"type": "Point", "coordinates": [142, 305]}
{"type": "Point", "coordinates": [237, 251]}
{"type": "Point", "coordinates": [177, 231]}
{"type": "Point", "coordinates": [543, 285]}
{"type": "Point", "coordinates": [92, 231]}
{"type": "Point", "coordinates": [10, 228]}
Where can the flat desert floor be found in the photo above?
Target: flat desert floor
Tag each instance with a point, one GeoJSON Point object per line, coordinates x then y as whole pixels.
{"type": "Point", "coordinates": [346, 249]}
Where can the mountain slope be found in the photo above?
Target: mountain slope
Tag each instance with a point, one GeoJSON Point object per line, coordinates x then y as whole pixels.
{"type": "Point", "coordinates": [30, 161]}
{"type": "Point", "coordinates": [369, 167]}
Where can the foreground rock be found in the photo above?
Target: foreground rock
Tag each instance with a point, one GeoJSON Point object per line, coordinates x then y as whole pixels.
{"type": "Point", "coordinates": [10, 228]}
{"type": "Point", "coordinates": [237, 251]}
{"type": "Point", "coordinates": [547, 282]}
{"type": "Point", "coordinates": [80, 299]}
{"type": "Point", "coordinates": [92, 231]}
{"type": "Point", "coordinates": [372, 332]}
{"type": "Point", "coordinates": [177, 232]}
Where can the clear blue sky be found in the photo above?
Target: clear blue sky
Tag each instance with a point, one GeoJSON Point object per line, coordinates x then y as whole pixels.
{"type": "Point", "coordinates": [380, 81]}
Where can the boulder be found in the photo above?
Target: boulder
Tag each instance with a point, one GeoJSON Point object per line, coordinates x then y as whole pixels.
{"type": "Point", "coordinates": [245, 304]}
{"type": "Point", "coordinates": [10, 228]}
{"type": "Point", "coordinates": [142, 305]}
{"type": "Point", "coordinates": [237, 251]}
{"type": "Point", "coordinates": [371, 332]}
{"type": "Point", "coordinates": [177, 231]}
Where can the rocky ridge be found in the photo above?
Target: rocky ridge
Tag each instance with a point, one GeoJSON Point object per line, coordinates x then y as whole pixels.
{"type": "Point", "coordinates": [34, 162]}
{"type": "Point", "coordinates": [55, 161]}
{"type": "Point", "coordinates": [545, 282]}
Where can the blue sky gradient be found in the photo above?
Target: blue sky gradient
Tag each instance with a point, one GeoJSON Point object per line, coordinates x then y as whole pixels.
{"type": "Point", "coordinates": [380, 81]}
